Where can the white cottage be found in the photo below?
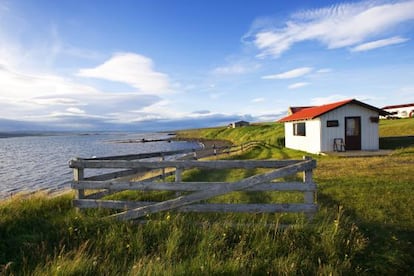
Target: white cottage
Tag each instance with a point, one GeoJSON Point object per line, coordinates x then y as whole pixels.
{"type": "Point", "coordinates": [344, 125]}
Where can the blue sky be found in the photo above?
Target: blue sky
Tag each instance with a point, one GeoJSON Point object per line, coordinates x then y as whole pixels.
{"type": "Point", "coordinates": [172, 64]}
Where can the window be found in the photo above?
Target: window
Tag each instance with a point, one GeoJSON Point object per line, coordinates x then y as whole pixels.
{"type": "Point", "coordinates": [374, 119]}
{"type": "Point", "coordinates": [332, 123]}
{"type": "Point", "coordinates": [353, 127]}
{"type": "Point", "coordinates": [299, 129]}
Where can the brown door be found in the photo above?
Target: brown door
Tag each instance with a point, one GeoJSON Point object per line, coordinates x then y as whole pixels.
{"type": "Point", "coordinates": [353, 133]}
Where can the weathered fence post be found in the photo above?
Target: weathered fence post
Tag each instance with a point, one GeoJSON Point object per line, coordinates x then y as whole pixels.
{"type": "Point", "coordinates": [309, 196]}
{"type": "Point", "coordinates": [178, 172]}
{"type": "Point", "coordinates": [78, 175]}
{"type": "Point", "coordinates": [178, 177]}
{"type": "Point", "coordinates": [163, 169]}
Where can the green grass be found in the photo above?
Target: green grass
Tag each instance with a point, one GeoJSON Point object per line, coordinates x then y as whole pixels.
{"type": "Point", "coordinates": [365, 225]}
{"type": "Point", "coordinates": [396, 133]}
{"type": "Point", "coordinates": [395, 128]}
{"type": "Point", "coordinates": [60, 242]}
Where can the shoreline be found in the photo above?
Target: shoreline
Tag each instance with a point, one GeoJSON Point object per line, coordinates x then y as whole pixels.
{"type": "Point", "coordinates": [207, 147]}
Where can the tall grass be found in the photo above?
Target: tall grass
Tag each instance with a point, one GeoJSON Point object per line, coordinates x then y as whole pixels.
{"type": "Point", "coordinates": [365, 225]}
{"type": "Point", "coordinates": [63, 242]}
{"type": "Point", "coordinates": [377, 194]}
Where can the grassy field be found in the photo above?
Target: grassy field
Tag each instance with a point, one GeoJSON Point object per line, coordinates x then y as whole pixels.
{"type": "Point", "coordinates": [365, 224]}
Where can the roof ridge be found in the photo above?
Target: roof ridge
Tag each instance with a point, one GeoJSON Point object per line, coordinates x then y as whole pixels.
{"type": "Point", "coordinates": [313, 112]}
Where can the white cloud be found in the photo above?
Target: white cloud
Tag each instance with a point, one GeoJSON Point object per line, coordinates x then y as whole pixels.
{"type": "Point", "coordinates": [17, 84]}
{"type": "Point", "coordinates": [258, 100]}
{"type": "Point", "coordinates": [159, 110]}
{"type": "Point", "coordinates": [295, 73]}
{"type": "Point", "coordinates": [230, 70]}
{"type": "Point", "coordinates": [158, 107]}
{"type": "Point", "coordinates": [34, 97]}
{"type": "Point", "coordinates": [236, 69]}
{"type": "Point", "coordinates": [378, 44]}
{"type": "Point", "coordinates": [56, 101]}
{"type": "Point", "coordinates": [32, 90]}
{"type": "Point", "coordinates": [132, 69]}
{"type": "Point", "coordinates": [75, 110]}
{"type": "Point", "coordinates": [337, 26]}
{"type": "Point", "coordinates": [298, 85]}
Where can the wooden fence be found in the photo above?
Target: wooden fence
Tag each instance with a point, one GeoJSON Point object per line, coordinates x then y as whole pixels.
{"type": "Point", "coordinates": [113, 182]}
{"type": "Point", "coordinates": [222, 151]}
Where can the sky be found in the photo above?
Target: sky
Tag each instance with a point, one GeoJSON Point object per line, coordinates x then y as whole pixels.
{"type": "Point", "coordinates": [146, 65]}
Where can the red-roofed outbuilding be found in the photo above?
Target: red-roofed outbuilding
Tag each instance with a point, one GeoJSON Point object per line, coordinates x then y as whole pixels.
{"type": "Point", "coordinates": [348, 124]}
{"type": "Point", "coordinates": [401, 110]}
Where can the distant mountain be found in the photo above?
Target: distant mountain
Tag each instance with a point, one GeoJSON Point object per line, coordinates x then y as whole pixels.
{"type": "Point", "coordinates": [7, 125]}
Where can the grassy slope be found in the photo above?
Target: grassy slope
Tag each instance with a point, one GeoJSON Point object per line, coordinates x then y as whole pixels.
{"type": "Point", "coordinates": [365, 224]}
{"type": "Point", "coordinates": [267, 132]}
{"type": "Point", "coordinates": [400, 127]}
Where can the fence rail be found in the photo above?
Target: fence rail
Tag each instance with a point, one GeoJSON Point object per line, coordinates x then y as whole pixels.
{"type": "Point", "coordinates": [114, 182]}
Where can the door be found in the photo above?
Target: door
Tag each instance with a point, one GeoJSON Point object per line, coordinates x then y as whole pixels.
{"type": "Point", "coordinates": [353, 133]}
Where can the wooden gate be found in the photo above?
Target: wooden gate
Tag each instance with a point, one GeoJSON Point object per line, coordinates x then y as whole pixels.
{"type": "Point", "coordinates": [200, 191]}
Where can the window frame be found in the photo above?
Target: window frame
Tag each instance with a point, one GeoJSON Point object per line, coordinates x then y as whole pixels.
{"type": "Point", "coordinates": [299, 129]}
{"type": "Point", "coordinates": [332, 123]}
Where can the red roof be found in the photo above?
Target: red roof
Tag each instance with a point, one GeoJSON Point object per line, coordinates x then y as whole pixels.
{"type": "Point", "coordinates": [397, 106]}
{"type": "Point", "coordinates": [316, 111]}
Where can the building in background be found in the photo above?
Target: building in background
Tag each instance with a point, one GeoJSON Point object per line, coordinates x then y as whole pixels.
{"type": "Point", "coordinates": [239, 124]}
{"type": "Point", "coordinates": [400, 111]}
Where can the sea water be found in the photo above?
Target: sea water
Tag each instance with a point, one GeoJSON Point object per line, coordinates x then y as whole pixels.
{"type": "Point", "coordinates": [34, 163]}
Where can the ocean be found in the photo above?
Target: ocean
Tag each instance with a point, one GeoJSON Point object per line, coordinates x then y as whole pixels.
{"type": "Point", "coordinates": [34, 163]}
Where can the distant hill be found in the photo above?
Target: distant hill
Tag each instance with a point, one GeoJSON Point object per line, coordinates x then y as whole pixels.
{"type": "Point", "coordinates": [7, 125]}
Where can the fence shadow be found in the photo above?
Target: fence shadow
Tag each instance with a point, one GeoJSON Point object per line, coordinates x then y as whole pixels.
{"type": "Point", "coordinates": [389, 247]}
{"type": "Point", "coordinates": [396, 142]}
